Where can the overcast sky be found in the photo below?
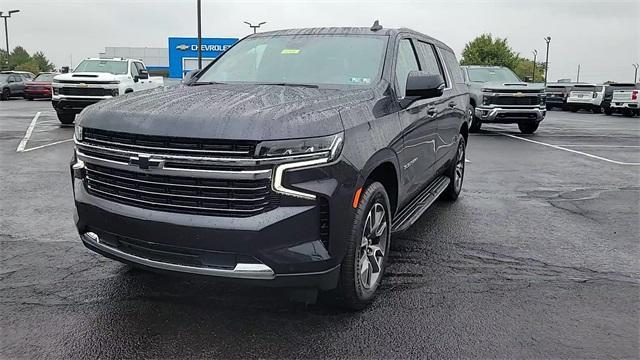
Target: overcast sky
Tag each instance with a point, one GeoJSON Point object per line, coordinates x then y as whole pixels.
{"type": "Point", "coordinates": [603, 36]}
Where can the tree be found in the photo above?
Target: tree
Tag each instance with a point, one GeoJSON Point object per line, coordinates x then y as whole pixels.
{"type": "Point", "coordinates": [42, 61]}
{"type": "Point", "coordinates": [30, 66]}
{"type": "Point", "coordinates": [19, 56]}
{"type": "Point", "coordinates": [3, 60]}
{"type": "Point", "coordinates": [524, 70]}
{"type": "Point", "coordinates": [485, 50]}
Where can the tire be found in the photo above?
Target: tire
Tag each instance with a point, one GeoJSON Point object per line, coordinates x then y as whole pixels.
{"type": "Point", "coordinates": [357, 289]}
{"type": "Point", "coordinates": [28, 98]}
{"type": "Point", "coordinates": [528, 127]}
{"type": "Point", "coordinates": [597, 110]}
{"type": "Point", "coordinates": [627, 113]}
{"type": "Point", "coordinates": [456, 172]}
{"type": "Point", "coordinates": [607, 111]}
{"type": "Point", "coordinates": [66, 118]}
{"type": "Point", "coordinates": [476, 124]}
{"type": "Point", "coordinates": [6, 94]}
{"type": "Point", "coordinates": [573, 109]}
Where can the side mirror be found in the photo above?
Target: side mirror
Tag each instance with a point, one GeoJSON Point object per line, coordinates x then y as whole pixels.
{"type": "Point", "coordinates": [421, 85]}
{"type": "Point", "coordinates": [190, 75]}
{"type": "Point", "coordinates": [144, 74]}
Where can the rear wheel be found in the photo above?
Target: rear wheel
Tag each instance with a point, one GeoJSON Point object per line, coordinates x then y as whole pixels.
{"type": "Point", "coordinates": [607, 111]}
{"type": "Point", "coordinates": [627, 113]}
{"type": "Point", "coordinates": [6, 94]}
{"type": "Point", "coordinates": [367, 249]}
{"type": "Point", "coordinates": [456, 172]}
{"type": "Point", "coordinates": [573, 109]}
{"type": "Point", "coordinates": [28, 98]}
{"type": "Point", "coordinates": [66, 118]}
{"type": "Point", "coordinates": [528, 127]}
{"type": "Point", "coordinates": [476, 124]}
{"type": "Point", "coordinates": [597, 110]}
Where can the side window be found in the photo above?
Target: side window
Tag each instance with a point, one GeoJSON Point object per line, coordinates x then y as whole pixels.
{"type": "Point", "coordinates": [134, 70]}
{"type": "Point", "coordinates": [12, 79]}
{"type": "Point", "coordinates": [140, 66]}
{"type": "Point", "coordinates": [429, 60]}
{"type": "Point", "coordinates": [406, 63]}
{"type": "Point", "coordinates": [452, 64]}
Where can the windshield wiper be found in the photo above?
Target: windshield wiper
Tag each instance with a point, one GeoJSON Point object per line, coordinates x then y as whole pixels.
{"type": "Point", "coordinates": [205, 83]}
{"type": "Point", "coordinates": [291, 84]}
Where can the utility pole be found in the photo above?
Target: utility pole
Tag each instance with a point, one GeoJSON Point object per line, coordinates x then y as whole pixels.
{"type": "Point", "coordinates": [199, 36]}
{"type": "Point", "coordinates": [546, 62]}
{"type": "Point", "coordinates": [635, 75]}
{"type": "Point", "coordinates": [578, 77]}
{"type": "Point", "coordinates": [535, 54]}
{"type": "Point", "coordinates": [254, 27]}
{"type": "Point", "coordinates": [6, 31]}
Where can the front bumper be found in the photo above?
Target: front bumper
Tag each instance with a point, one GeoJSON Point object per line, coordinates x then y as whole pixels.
{"type": "Point", "coordinates": [73, 104]}
{"type": "Point", "coordinates": [38, 93]}
{"type": "Point", "coordinates": [624, 105]}
{"type": "Point", "coordinates": [280, 247]}
{"type": "Point", "coordinates": [510, 115]}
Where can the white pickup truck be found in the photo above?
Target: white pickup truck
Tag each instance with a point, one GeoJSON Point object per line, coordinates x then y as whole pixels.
{"type": "Point", "coordinates": [626, 101]}
{"type": "Point", "coordinates": [98, 79]}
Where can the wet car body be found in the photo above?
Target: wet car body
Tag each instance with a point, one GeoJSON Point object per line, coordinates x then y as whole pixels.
{"type": "Point", "coordinates": [39, 87]}
{"type": "Point", "coordinates": [277, 220]}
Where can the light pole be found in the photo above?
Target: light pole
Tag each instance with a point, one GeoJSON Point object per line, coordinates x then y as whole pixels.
{"type": "Point", "coordinates": [546, 62]}
{"type": "Point", "coordinates": [199, 36]}
{"type": "Point", "coordinates": [6, 32]}
{"type": "Point", "coordinates": [635, 75]}
{"type": "Point", "coordinates": [578, 77]}
{"type": "Point", "coordinates": [255, 27]}
{"type": "Point", "coordinates": [535, 55]}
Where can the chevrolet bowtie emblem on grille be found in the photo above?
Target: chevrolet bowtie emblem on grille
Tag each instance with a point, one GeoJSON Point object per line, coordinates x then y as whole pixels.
{"type": "Point", "coordinates": [518, 94]}
{"type": "Point", "coordinates": [144, 161]}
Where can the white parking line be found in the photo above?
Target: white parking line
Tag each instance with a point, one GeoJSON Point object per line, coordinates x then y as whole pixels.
{"type": "Point", "coordinates": [27, 135]}
{"type": "Point", "coordinates": [569, 150]}
{"type": "Point", "coordinates": [598, 145]}
{"type": "Point", "coordinates": [45, 145]}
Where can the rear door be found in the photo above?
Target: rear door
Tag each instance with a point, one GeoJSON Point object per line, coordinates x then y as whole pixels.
{"type": "Point", "coordinates": [419, 121]}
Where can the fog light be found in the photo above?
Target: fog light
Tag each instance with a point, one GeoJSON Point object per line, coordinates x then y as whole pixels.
{"type": "Point", "coordinates": [79, 171]}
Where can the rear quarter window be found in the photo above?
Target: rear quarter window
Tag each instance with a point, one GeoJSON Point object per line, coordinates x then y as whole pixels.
{"type": "Point", "coordinates": [453, 66]}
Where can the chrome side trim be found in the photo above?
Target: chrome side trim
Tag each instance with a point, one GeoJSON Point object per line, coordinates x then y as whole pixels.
{"type": "Point", "coordinates": [210, 174]}
{"type": "Point", "coordinates": [277, 186]}
{"type": "Point", "coordinates": [240, 271]}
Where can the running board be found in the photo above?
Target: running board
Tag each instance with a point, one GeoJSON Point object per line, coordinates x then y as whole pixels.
{"type": "Point", "coordinates": [412, 212]}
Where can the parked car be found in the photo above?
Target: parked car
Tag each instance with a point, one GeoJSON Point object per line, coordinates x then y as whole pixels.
{"type": "Point", "coordinates": [39, 87]}
{"type": "Point", "coordinates": [626, 102]}
{"type": "Point", "coordinates": [586, 97]}
{"type": "Point", "coordinates": [608, 95]}
{"type": "Point", "coordinates": [25, 74]}
{"type": "Point", "coordinates": [557, 94]}
{"type": "Point", "coordinates": [11, 85]}
{"type": "Point", "coordinates": [281, 163]}
{"type": "Point", "coordinates": [98, 79]}
{"type": "Point", "coordinates": [499, 96]}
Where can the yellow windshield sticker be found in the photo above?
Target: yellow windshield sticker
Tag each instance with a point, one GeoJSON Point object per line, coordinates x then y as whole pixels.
{"type": "Point", "coordinates": [290, 51]}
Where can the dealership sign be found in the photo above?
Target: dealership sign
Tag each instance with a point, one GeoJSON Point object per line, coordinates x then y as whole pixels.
{"type": "Point", "coordinates": [184, 50]}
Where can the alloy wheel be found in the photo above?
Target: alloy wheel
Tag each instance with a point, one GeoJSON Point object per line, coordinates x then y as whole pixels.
{"type": "Point", "coordinates": [459, 171]}
{"type": "Point", "coordinates": [373, 246]}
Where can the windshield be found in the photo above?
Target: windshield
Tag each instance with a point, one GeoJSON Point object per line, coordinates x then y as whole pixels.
{"type": "Point", "coordinates": [105, 66]}
{"type": "Point", "coordinates": [44, 77]}
{"type": "Point", "coordinates": [492, 74]}
{"type": "Point", "coordinates": [301, 59]}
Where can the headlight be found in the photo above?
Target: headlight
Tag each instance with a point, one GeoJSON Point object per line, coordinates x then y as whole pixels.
{"type": "Point", "coordinates": [486, 90]}
{"type": "Point", "coordinates": [486, 100]}
{"type": "Point", "coordinates": [55, 81]}
{"type": "Point", "coordinates": [308, 152]}
{"type": "Point", "coordinates": [113, 82]}
{"type": "Point", "coordinates": [328, 147]}
{"type": "Point", "coordinates": [78, 133]}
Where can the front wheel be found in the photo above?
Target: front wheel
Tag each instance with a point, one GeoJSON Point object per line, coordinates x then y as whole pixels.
{"type": "Point", "coordinates": [528, 128]}
{"type": "Point", "coordinates": [6, 94]}
{"type": "Point", "coordinates": [66, 118]}
{"type": "Point", "coordinates": [607, 111]}
{"type": "Point", "coordinates": [367, 249]}
{"type": "Point", "coordinates": [597, 110]}
{"type": "Point", "coordinates": [456, 172]}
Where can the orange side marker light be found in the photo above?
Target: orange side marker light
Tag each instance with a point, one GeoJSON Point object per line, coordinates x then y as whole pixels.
{"type": "Point", "coordinates": [356, 198]}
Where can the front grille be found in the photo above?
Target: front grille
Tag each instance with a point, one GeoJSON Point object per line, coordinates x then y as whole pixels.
{"type": "Point", "coordinates": [169, 145]}
{"type": "Point", "coordinates": [237, 198]}
{"type": "Point", "coordinates": [84, 91]}
{"type": "Point", "coordinates": [515, 100]}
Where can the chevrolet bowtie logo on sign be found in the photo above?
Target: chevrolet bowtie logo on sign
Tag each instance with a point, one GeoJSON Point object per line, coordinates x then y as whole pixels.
{"type": "Point", "coordinates": [144, 162]}
{"type": "Point", "coordinates": [182, 47]}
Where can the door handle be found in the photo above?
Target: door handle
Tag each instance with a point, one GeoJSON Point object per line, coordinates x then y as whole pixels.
{"type": "Point", "coordinates": [452, 104]}
{"type": "Point", "coordinates": [432, 111]}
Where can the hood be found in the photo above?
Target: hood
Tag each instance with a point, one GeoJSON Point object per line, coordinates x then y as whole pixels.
{"type": "Point", "coordinates": [226, 111]}
{"type": "Point", "coordinates": [87, 76]}
{"type": "Point", "coordinates": [511, 86]}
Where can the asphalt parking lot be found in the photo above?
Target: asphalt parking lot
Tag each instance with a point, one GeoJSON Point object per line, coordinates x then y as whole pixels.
{"type": "Point", "coordinates": [539, 258]}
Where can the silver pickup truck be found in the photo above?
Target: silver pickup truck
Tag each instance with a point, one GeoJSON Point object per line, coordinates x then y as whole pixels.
{"type": "Point", "coordinates": [499, 96]}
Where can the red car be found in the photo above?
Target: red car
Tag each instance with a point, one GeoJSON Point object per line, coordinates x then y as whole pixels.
{"type": "Point", "coordinates": [39, 87]}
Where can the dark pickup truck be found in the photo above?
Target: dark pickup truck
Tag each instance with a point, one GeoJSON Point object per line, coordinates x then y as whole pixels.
{"type": "Point", "coordinates": [499, 96]}
{"type": "Point", "coordinates": [288, 161]}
